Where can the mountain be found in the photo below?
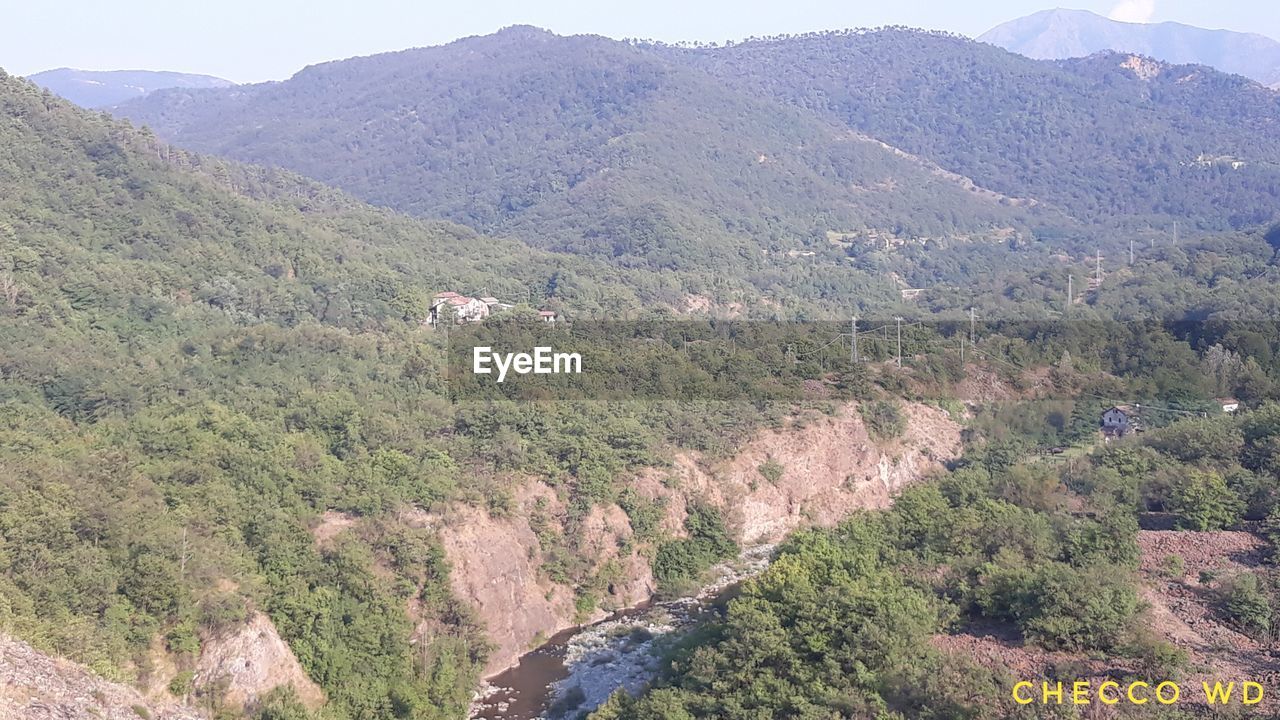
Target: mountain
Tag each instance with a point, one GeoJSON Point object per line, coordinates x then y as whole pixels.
{"type": "Point", "coordinates": [661, 156]}
{"type": "Point", "coordinates": [1060, 34]}
{"type": "Point", "coordinates": [105, 88]}
{"type": "Point", "coordinates": [581, 144]}
{"type": "Point", "coordinates": [1113, 140]}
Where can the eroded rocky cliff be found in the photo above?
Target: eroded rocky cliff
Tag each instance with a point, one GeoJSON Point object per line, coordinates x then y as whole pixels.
{"type": "Point", "coordinates": [830, 466]}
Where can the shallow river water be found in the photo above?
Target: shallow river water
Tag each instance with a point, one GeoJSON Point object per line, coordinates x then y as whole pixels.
{"type": "Point", "coordinates": [579, 668]}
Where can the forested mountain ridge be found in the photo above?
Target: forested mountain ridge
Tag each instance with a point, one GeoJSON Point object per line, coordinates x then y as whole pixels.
{"type": "Point", "coordinates": [1111, 139]}
{"type": "Point", "coordinates": [580, 144]}
{"type": "Point", "coordinates": [620, 149]}
{"type": "Point", "coordinates": [1059, 34]}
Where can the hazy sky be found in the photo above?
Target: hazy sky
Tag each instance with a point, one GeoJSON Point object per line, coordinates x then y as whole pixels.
{"type": "Point", "coordinates": [252, 40]}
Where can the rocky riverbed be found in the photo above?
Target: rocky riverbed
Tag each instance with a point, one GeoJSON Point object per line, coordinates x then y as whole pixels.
{"type": "Point", "coordinates": [579, 669]}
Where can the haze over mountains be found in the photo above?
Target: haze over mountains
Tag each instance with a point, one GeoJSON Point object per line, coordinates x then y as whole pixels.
{"type": "Point", "coordinates": [104, 88]}
{"type": "Point", "coordinates": [1058, 34]}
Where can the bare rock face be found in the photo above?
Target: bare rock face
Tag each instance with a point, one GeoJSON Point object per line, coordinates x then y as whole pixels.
{"type": "Point", "coordinates": [830, 467]}
{"type": "Point", "coordinates": [495, 568]}
{"type": "Point", "coordinates": [249, 661]}
{"type": "Point", "coordinates": [35, 686]}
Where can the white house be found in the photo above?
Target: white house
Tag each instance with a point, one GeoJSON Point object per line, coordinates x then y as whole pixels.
{"type": "Point", "coordinates": [1120, 420]}
{"type": "Point", "coordinates": [1228, 405]}
{"type": "Point", "coordinates": [450, 305]}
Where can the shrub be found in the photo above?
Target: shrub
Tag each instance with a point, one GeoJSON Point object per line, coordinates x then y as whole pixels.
{"type": "Point", "coordinates": [678, 563]}
{"type": "Point", "coordinates": [180, 685]}
{"type": "Point", "coordinates": [645, 514]}
{"type": "Point", "coordinates": [1246, 605]}
{"type": "Point", "coordinates": [1199, 439]}
{"type": "Point", "coordinates": [1172, 566]}
{"type": "Point", "coordinates": [771, 470]}
{"type": "Point", "coordinates": [884, 419]}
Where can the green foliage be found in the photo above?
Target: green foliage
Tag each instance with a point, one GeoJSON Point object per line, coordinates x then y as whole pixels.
{"type": "Point", "coordinates": [884, 419]}
{"type": "Point", "coordinates": [181, 685]}
{"type": "Point", "coordinates": [771, 470]}
{"type": "Point", "coordinates": [1246, 604]}
{"type": "Point", "coordinates": [1172, 567]}
{"type": "Point", "coordinates": [932, 93]}
{"type": "Point", "coordinates": [1203, 501]}
{"type": "Point", "coordinates": [842, 623]}
{"type": "Point", "coordinates": [1193, 440]}
{"type": "Point", "coordinates": [679, 563]}
{"type": "Point", "coordinates": [644, 514]}
{"type": "Point", "coordinates": [282, 704]}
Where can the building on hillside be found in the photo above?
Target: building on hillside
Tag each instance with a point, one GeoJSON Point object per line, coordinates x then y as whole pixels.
{"type": "Point", "coordinates": [548, 316]}
{"type": "Point", "coordinates": [454, 307]}
{"type": "Point", "coordinates": [1120, 420]}
{"type": "Point", "coordinates": [1228, 405]}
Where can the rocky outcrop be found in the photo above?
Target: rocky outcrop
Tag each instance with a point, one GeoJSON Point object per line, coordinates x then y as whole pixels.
{"type": "Point", "coordinates": [829, 467]}
{"type": "Point", "coordinates": [250, 660]}
{"type": "Point", "coordinates": [35, 686]}
{"type": "Point", "coordinates": [497, 569]}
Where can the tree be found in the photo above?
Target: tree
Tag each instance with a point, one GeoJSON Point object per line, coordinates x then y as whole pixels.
{"type": "Point", "coordinates": [1203, 501]}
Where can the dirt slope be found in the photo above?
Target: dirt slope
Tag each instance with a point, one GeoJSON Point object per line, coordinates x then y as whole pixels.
{"type": "Point", "coordinates": [251, 660]}
{"type": "Point", "coordinates": [34, 686]}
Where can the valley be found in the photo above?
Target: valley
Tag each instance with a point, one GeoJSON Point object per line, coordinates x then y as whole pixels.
{"type": "Point", "coordinates": [852, 311]}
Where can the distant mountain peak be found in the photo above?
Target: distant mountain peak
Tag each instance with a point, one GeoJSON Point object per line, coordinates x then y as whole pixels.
{"type": "Point", "coordinates": [108, 88]}
{"type": "Point", "coordinates": [1062, 33]}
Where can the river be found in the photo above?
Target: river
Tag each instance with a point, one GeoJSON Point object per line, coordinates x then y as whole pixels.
{"type": "Point", "coordinates": [578, 669]}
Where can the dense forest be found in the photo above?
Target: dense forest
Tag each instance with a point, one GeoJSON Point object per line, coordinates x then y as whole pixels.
{"type": "Point", "coordinates": [583, 145]}
{"type": "Point", "coordinates": [763, 140]}
{"type": "Point", "coordinates": [1107, 139]}
{"type": "Point", "coordinates": [816, 174]}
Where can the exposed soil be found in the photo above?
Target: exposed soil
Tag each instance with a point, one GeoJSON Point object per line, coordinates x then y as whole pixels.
{"type": "Point", "coordinates": [35, 686]}
{"type": "Point", "coordinates": [250, 660]}
{"type": "Point", "coordinates": [332, 523]}
{"type": "Point", "coordinates": [1184, 608]}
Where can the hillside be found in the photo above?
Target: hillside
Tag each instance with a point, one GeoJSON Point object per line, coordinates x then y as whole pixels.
{"type": "Point", "coordinates": [228, 456]}
{"type": "Point", "coordinates": [579, 144]}
{"type": "Point", "coordinates": [664, 155]}
{"type": "Point", "coordinates": [198, 361]}
{"type": "Point", "coordinates": [105, 88]}
{"type": "Point", "coordinates": [1060, 34]}
{"type": "Point", "coordinates": [1111, 140]}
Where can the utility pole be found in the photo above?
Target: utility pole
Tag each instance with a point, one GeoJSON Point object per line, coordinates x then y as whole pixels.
{"type": "Point", "coordinates": [1175, 233]}
{"type": "Point", "coordinates": [899, 341]}
{"type": "Point", "coordinates": [1097, 273]}
{"type": "Point", "coordinates": [1070, 293]}
{"type": "Point", "coordinates": [853, 351]}
{"type": "Point", "coordinates": [973, 338]}
{"type": "Point", "coordinates": [1130, 251]}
